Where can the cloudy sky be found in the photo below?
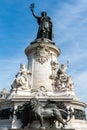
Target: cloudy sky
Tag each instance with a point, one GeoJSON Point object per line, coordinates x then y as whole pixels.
{"type": "Point", "coordinates": [18, 28]}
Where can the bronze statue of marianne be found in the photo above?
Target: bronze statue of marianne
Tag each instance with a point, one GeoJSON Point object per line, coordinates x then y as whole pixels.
{"type": "Point", "coordinates": [45, 24]}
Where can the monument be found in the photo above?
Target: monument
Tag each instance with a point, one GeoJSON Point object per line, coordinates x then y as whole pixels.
{"type": "Point", "coordinates": [42, 93]}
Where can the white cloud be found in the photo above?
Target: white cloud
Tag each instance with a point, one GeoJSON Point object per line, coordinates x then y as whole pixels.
{"type": "Point", "coordinates": [70, 34]}
{"type": "Point", "coordinates": [69, 21]}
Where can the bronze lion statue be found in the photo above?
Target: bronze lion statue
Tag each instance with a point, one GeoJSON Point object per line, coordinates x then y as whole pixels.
{"type": "Point", "coordinates": [33, 110]}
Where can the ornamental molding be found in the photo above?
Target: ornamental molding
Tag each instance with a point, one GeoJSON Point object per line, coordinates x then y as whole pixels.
{"type": "Point", "coordinates": [42, 54]}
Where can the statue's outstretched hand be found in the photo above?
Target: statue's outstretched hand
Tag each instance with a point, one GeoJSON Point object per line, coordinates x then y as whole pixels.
{"type": "Point", "coordinates": [32, 6]}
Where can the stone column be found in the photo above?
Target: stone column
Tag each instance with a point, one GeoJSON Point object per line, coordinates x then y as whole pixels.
{"type": "Point", "coordinates": [40, 56]}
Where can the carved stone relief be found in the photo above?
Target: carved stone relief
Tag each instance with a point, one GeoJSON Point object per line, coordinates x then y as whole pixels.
{"type": "Point", "coordinates": [54, 66]}
{"type": "Point", "coordinates": [22, 79]}
{"type": "Point", "coordinates": [60, 78]}
{"type": "Point", "coordinates": [79, 114]}
{"type": "Point", "coordinates": [41, 92]}
{"type": "Point", "coordinates": [42, 54]}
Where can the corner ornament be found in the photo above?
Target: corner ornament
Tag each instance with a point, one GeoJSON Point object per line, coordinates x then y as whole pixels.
{"type": "Point", "coordinates": [42, 54]}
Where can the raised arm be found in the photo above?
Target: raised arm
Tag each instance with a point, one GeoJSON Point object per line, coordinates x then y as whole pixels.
{"type": "Point", "coordinates": [32, 10]}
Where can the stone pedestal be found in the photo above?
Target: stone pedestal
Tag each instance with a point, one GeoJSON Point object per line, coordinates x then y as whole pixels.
{"type": "Point", "coordinates": [41, 55]}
